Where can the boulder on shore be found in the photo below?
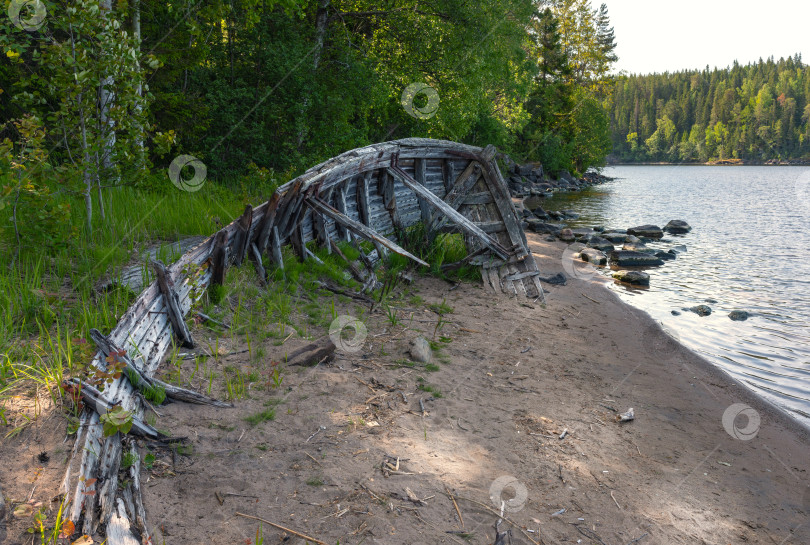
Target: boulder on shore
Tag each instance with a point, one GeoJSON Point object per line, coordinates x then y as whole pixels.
{"type": "Point", "coordinates": [566, 235]}
{"type": "Point", "coordinates": [539, 226]}
{"type": "Point", "coordinates": [666, 256]}
{"type": "Point", "coordinates": [625, 258]}
{"type": "Point", "coordinates": [677, 227]}
{"type": "Point", "coordinates": [637, 247]}
{"type": "Point", "coordinates": [593, 256]}
{"type": "Point", "coordinates": [601, 244]}
{"type": "Point", "coordinates": [633, 277]}
{"type": "Point", "coordinates": [649, 231]}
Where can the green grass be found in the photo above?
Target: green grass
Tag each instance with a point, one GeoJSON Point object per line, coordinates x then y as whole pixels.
{"type": "Point", "coordinates": [429, 389]}
{"type": "Point", "coordinates": [315, 481]}
{"type": "Point", "coordinates": [263, 416]}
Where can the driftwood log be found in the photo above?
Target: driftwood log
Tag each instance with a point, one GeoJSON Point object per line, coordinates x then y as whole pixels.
{"type": "Point", "coordinates": [371, 194]}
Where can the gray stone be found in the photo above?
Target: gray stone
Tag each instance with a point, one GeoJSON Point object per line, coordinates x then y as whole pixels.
{"type": "Point", "coordinates": [634, 259]}
{"type": "Point", "coordinates": [566, 235]}
{"type": "Point", "coordinates": [593, 256]}
{"type": "Point", "coordinates": [666, 256]}
{"type": "Point", "coordinates": [649, 231]}
{"type": "Point", "coordinates": [701, 310]}
{"type": "Point", "coordinates": [615, 236]}
{"type": "Point", "coordinates": [637, 247]}
{"type": "Point", "coordinates": [738, 315]}
{"type": "Point", "coordinates": [675, 312]}
{"type": "Point", "coordinates": [539, 226]}
{"type": "Point", "coordinates": [677, 227]}
{"type": "Point", "coordinates": [420, 350]}
{"type": "Point", "coordinates": [576, 247]}
{"type": "Point", "coordinates": [680, 248]}
{"type": "Point", "coordinates": [633, 277]}
{"type": "Point", "coordinates": [601, 244]}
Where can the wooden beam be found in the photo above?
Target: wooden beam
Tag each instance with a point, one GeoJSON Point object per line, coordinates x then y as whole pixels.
{"type": "Point", "coordinates": [242, 236]}
{"type": "Point", "coordinates": [362, 230]}
{"type": "Point", "coordinates": [420, 175]}
{"type": "Point", "coordinates": [219, 258]}
{"type": "Point", "coordinates": [450, 212]}
{"type": "Point", "coordinates": [385, 188]}
{"type": "Point", "coordinates": [172, 300]}
{"type": "Point", "coordinates": [340, 205]}
{"type": "Point", "coordinates": [448, 174]}
{"type": "Point", "coordinates": [363, 211]}
{"type": "Point", "coordinates": [266, 223]}
{"type": "Point", "coordinates": [455, 197]}
{"type": "Point", "coordinates": [256, 257]}
{"type": "Point", "coordinates": [274, 249]}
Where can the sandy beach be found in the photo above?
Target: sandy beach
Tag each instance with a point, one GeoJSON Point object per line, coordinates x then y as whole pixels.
{"type": "Point", "coordinates": [351, 457]}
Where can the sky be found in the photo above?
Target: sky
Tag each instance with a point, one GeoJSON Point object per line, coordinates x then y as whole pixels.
{"type": "Point", "coordinates": [659, 36]}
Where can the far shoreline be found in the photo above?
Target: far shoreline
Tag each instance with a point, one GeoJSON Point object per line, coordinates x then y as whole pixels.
{"type": "Point", "coordinates": [711, 164]}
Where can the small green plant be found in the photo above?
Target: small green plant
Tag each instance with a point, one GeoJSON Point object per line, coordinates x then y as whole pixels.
{"type": "Point", "coordinates": [431, 367]}
{"type": "Point", "coordinates": [441, 308]}
{"type": "Point", "coordinates": [128, 460]}
{"type": "Point", "coordinates": [391, 314]}
{"type": "Point", "coordinates": [315, 481]}
{"type": "Point", "coordinates": [116, 420]}
{"type": "Point", "coordinates": [149, 460]}
{"type": "Point", "coordinates": [430, 389]}
{"type": "Point", "coordinates": [263, 416]}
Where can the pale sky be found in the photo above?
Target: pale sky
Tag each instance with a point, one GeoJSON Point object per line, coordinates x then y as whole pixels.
{"type": "Point", "coordinates": [659, 36]}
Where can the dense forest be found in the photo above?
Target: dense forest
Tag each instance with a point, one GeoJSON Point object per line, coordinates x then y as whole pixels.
{"type": "Point", "coordinates": [97, 94]}
{"type": "Point", "coordinates": [757, 112]}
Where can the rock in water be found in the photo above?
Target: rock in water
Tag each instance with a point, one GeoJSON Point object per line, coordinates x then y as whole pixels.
{"type": "Point", "coordinates": [677, 227]}
{"type": "Point", "coordinates": [615, 237]}
{"type": "Point", "coordinates": [666, 256]}
{"type": "Point", "coordinates": [738, 315]}
{"type": "Point", "coordinates": [637, 247]}
{"type": "Point", "coordinates": [566, 235]}
{"type": "Point", "coordinates": [649, 231]}
{"type": "Point", "coordinates": [420, 350]}
{"type": "Point", "coordinates": [594, 256]}
{"type": "Point", "coordinates": [679, 249]}
{"type": "Point", "coordinates": [701, 310]}
{"type": "Point", "coordinates": [634, 259]}
{"type": "Point", "coordinates": [675, 312]}
{"type": "Point", "coordinates": [633, 277]}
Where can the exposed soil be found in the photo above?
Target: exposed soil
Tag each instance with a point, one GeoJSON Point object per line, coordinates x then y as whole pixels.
{"type": "Point", "coordinates": [512, 378]}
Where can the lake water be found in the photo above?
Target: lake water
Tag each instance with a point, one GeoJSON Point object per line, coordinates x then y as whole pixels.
{"type": "Point", "coordinates": [749, 249]}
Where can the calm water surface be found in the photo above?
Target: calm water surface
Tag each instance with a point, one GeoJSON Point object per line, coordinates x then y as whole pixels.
{"type": "Point", "coordinates": [749, 250]}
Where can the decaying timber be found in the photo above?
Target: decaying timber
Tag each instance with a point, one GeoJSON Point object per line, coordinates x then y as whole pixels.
{"type": "Point", "coordinates": [370, 194]}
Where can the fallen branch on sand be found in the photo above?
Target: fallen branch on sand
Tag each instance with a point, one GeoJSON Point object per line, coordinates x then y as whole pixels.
{"type": "Point", "coordinates": [280, 527]}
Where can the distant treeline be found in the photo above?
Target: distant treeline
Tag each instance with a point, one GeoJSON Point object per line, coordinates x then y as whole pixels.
{"type": "Point", "coordinates": [756, 112]}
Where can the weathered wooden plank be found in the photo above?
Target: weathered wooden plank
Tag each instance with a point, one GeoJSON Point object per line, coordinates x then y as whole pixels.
{"type": "Point", "coordinates": [366, 232]}
{"type": "Point", "coordinates": [274, 250]}
{"type": "Point", "coordinates": [266, 222]}
{"type": "Point", "coordinates": [420, 176]}
{"type": "Point", "coordinates": [240, 241]}
{"type": "Point", "coordinates": [219, 258]}
{"type": "Point", "coordinates": [503, 200]}
{"type": "Point", "coordinates": [172, 305]}
{"type": "Point", "coordinates": [340, 205]}
{"type": "Point", "coordinates": [363, 211]}
{"type": "Point", "coordinates": [256, 258]}
{"type": "Point", "coordinates": [385, 188]}
{"type": "Point", "coordinates": [484, 197]}
{"type": "Point", "coordinates": [450, 212]}
{"type": "Point", "coordinates": [455, 196]}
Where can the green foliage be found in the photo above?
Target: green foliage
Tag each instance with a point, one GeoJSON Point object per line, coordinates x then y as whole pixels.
{"type": "Point", "coordinates": [263, 416]}
{"type": "Point", "coordinates": [756, 112]}
{"type": "Point", "coordinates": [116, 420]}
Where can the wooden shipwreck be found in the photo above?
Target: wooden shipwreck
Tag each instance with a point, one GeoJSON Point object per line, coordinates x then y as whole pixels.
{"type": "Point", "coordinates": [372, 194]}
